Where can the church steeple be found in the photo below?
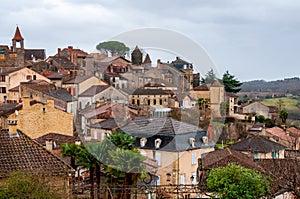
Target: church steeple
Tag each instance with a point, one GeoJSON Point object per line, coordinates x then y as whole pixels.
{"type": "Point", "coordinates": [17, 38]}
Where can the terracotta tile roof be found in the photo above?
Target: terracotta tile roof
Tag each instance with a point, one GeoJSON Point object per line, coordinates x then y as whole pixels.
{"type": "Point", "coordinates": [59, 139]}
{"type": "Point", "coordinates": [280, 133]}
{"type": "Point", "coordinates": [18, 36]}
{"type": "Point", "coordinates": [202, 87]}
{"type": "Point", "coordinates": [94, 90]}
{"type": "Point", "coordinates": [257, 144]}
{"type": "Point", "coordinates": [294, 131]}
{"type": "Point", "coordinates": [221, 158]}
{"type": "Point", "coordinates": [21, 153]}
{"type": "Point", "coordinates": [14, 89]}
{"type": "Point", "coordinates": [8, 70]}
{"type": "Point", "coordinates": [285, 174]}
{"type": "Point", "coordinates": [63, 63]}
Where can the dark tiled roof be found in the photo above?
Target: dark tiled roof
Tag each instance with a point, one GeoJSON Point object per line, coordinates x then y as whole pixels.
{"type": "Point", "coordinates": [8, 109]}
{"type": "Point", "coordinates": [147, 59]}
{"type": "Point", "coordinates": [36, 53]}
{"type": "Point", "coordinates": [62, 94]}
{"type": "Point", "coordinates": [93, 90]}
{"type": "Point", "coordinates": [285, 174]}
{"type": "Point", "coordinates": [78, 79]}
{"type": "Point", "coordinates": [141, 91]}
{"type": "Point", "coordinates": [59, 139]}
{"type": "Point", "coordinates": [8, 70]}
{"type": "Point", "coordinates": [57, 76]}
{"type": "Point", "coordinates": [221, 158]}
{"type": "Point", "coordinates": [257, 144]}
{"type": "Point", "coordinates": [65, 63]}
{"type": "Point", "coordinates": [21, 153]}
{"type": "Point", "coordinates": [109, 124]}
{"type": "Point", "coordinates": [174, 134]}
{"type": "Point", "coordinates": [202, 87]}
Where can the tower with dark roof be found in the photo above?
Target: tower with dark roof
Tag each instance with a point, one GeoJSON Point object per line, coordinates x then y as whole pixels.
{"type": "Point", "coordinates": [136, 56]}
{"type": "Point", "coordinates": [147, 60]}
{"type": "Point", "coordinates": [18, 49]}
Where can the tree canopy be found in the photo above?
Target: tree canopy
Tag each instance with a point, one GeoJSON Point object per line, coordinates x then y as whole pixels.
{"type": "Point", "coordinates": [209, 78]}
{"type": "Point", "coordinates": [235, 181]}
{"type": "Point", "coordinates": [113, 48]}
{"type": "Point", "coordinates": [231, 84]}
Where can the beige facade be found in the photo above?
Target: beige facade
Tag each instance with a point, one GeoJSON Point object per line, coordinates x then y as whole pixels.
{"type": "Point", "coordinates": [176, 167]}
{"type": "Point", "coordinates": [13, 79]}
{"type": "Point", "coordinates": [257, 108]}
{"type": "Point", "coordinates": [39, 119]}
{"type": "Point", "coordinates": [216, 98]}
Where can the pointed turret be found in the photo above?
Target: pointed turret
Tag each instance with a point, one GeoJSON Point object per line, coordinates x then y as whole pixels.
{"type": "Point", "coordinates": [147, 60]}
{"type": "Point", "coordinates": [136, 56]}
{"type": "Point", "coordinates": [18, 36]}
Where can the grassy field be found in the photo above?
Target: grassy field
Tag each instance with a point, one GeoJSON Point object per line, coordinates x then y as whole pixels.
{"type": "Point", "coordinates": [288, 102]}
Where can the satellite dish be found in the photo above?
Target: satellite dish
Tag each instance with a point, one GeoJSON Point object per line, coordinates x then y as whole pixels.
{"type": "Point", "coordinates": [16, 112]}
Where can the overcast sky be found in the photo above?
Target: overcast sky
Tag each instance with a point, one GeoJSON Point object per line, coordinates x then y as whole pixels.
{"type": "Point", "coordinates": [253, 39]}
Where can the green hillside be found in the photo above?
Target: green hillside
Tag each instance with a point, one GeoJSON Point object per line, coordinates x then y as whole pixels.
{"type": "Point", "coordinates": [289, 103]}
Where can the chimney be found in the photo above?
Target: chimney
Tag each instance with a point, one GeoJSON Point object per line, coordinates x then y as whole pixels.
{"type": "Point", "coordinates": [58, 51]}
{"type": "Point", "coordinates": [70, 48]}
{"type": "Point", "coordinates": [49, 144]}
{"type": "Point", "coordinates": [210, 133]}
{"type": "Point", "coordinates": [177, 58]}
{"type": "Point", "coordinates": [158, 62]}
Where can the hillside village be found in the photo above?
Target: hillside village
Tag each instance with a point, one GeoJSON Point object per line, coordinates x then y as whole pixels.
{"type": "Point", "coordinates": [179, 125]}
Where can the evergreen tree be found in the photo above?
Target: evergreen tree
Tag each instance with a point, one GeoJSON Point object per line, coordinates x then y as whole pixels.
{"type": "Point", "coordinates": [231, 84]}
{"type": "Point", "coordinates": [113, 48]}
{"type": "Point", "coordinates": [209, 78]}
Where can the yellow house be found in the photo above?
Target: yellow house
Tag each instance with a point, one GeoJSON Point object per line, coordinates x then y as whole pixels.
{"type": "Point", "coordinates": [36, 119]}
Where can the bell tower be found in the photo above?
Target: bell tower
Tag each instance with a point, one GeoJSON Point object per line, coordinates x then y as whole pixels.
{"type": "Point", "coordinates": [17, 39]}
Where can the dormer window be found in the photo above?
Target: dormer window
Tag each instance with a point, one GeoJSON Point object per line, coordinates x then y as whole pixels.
{"type": "Point", "coordinates": [205, 140]}
{"type": "Point", "coordinates": [143, 142]}
{"type": "Point", "coordinates": [157, 143]}
{"type": "Point", "coordinates": [192, 142]}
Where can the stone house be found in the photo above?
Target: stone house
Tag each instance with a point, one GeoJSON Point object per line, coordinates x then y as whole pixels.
{"type": "Point", "coordinates": [79, 84]}
{"type": "Point", "coordinates": [11, 78]}
{"type": "Point", "coordinates": [37, 119]}
{"type": "Point", "coordinates": [42, 91]}
{"type": "Point", "coordinates": [103, 92]}
{"type": "Point", "coordinates": [257, 108]}
{"type": "Point", "coordinates": [259, 147]}
{"type": "Point", "coordinates": [286, 137]}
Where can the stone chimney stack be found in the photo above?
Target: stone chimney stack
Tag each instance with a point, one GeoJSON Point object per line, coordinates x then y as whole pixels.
{"type": "Point", "coordinates": [49, 144]}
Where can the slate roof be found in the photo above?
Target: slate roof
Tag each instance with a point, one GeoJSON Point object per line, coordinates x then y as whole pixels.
{"type": "Point", "coordinates": [221, 158]}
{"type": "Point", "coordinates": [36, 53]}
{"type": "Point", "coordinates": [108, 124]}
{"type": "Point", "coordinates": [8, 70]}
{"type": "Point", "coordinates": [21, 153]}
{"type": "Point", "coordinates": [78, 79]}
{"type": "Point", "coordinates": [257, 144]}
{"type": "Point", "coordinates": [56, 76]}
{"type": "Point", "coordinates": [174, 134]}
{"type": "Point", "coordinates": [93, 90]}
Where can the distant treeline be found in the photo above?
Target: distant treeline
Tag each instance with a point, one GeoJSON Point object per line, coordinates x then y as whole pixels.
{"type": "Point", "coordinates": [287, 85]}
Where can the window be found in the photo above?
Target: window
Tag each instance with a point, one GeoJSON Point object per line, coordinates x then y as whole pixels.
{"type": "Point", "coordinates": [132, 101]}
{"type": "Point", "coordinates": [2, 78]}
{"type": "Point", "coordinates": [275, 154]}
{"type": "Point", "coordinates": [44, 110]}
{"type": "Point", "coordinates": [194, 158]}
{"type": "Point", "coordinates": [158, 158]}
{"type": "Point", "coordinates": [194, 178]}
{"type": "Point", "coordinates": [158, 180]}
{"type": "Point", "coordinates": [2, 89]}
{"type": "Point", "coordinates": [255, 155]}
{"type": "Point", "coordinates": [71, 108]}
{"type": "Point", "coordinates": [154, 102]}
{"type": "Point", "coordinates": [28, 77]}
{"type": "Point", "coordinates": [34, 77]}
{"type": "Point", "coordinates": [149, 102]}
{"type": "Point", "coordinates": [138, 102]}
{"type": "Point", "coordinates": [160, 101]}
{"type": "Point", "coordinates": [182, 179]}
